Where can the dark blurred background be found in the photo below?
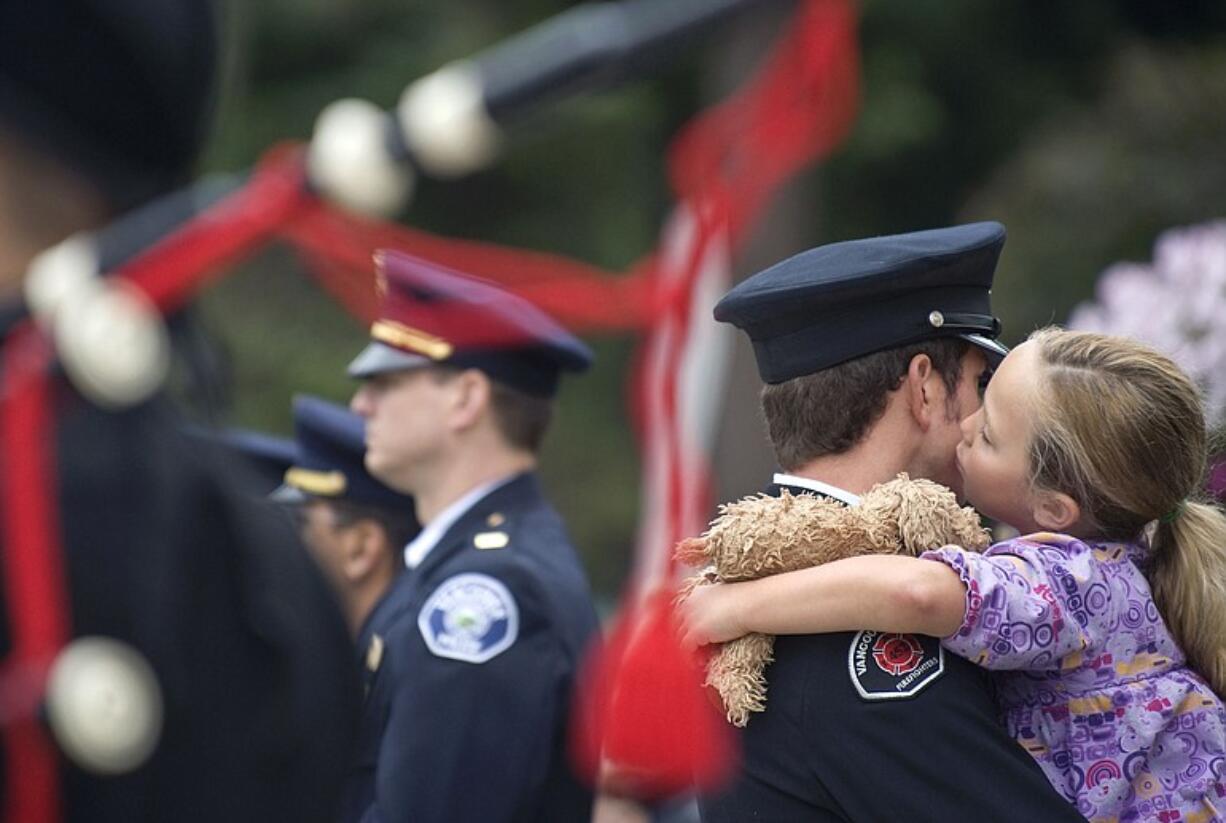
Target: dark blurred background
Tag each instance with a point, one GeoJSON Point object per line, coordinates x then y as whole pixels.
{"type": "Point", "coordinates": [1086, 127]}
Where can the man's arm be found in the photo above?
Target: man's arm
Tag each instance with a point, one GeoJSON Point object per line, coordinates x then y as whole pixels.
{"type": "Point", "coordinates": [470, 738]}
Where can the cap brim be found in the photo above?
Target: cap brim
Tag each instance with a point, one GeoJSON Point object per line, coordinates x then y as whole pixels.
{"type": "Point", "coordinates": [288, 495]}
{"type": "Point", "coordinates": [994, 349]}
{"type": "Point", "coordinates": [377, 358]}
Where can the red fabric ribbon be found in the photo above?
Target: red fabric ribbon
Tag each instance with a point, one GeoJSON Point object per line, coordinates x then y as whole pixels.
{"type": "Point", "coordinates": [34, 576]}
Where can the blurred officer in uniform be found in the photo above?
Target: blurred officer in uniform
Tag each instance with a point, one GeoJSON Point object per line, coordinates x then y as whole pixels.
{"type": "Point", "coordinates": [355, 526]}
{"type": "Point", "coordinates": [482, 636]}
{"type": "Point", "coordinates": [872, 352]}
{"type": "Point", "coordinates": [208, 675]}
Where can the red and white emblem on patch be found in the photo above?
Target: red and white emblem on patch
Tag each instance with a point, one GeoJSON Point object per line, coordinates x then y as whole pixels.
{"type": "Point", "coordinates": [893, 666]}
{"type": "Point", "coordinates": [897, 654]}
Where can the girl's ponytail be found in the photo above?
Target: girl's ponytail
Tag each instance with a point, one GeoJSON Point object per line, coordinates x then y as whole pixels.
{"type": "Point", "coordinates": [1188, 578]}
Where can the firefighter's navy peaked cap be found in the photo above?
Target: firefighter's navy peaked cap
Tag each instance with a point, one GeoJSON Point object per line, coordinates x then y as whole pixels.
{"type": "Point", "coordinates": [845, 300]}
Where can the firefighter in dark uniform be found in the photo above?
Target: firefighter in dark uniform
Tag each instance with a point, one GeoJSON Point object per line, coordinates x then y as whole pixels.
{"type": "Point", "coordinates": [479, 641]}
{"type": "Point", "coordinates": [175, 654]}
{"type": "Point", "coordinates": [871, 351]}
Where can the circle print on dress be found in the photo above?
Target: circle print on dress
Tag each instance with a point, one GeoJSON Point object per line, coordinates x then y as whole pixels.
{"type": "Point", "coordinates": [1044, 634]}
{"type": "Point", "coordinates": [1096, 599]}
{"type": "Point", "coordinates": [1133, 616]}
{"type": "Point", "coordinates": [1102, 770]}
{"type": "Point", "coordinates": [1021, 636]}
{"type": "Point", "coordinates": [1151, 611]}
{"type": "Point", "coordinates": [1133, 765]}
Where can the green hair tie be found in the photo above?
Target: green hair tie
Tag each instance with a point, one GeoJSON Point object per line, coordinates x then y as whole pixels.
{"type": "Point", "coordinates": [1170, 516]}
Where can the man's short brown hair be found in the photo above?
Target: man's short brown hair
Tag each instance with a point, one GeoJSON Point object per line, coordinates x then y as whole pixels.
{"type": "Point", "coordinates": [522, 418]}
{"type": "Point", "coordinates": [829, 411]}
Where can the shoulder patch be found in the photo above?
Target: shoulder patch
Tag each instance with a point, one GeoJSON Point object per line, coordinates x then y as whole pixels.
{"type": "Point", "coordinates": [469, 617]}
{"type": "Point", "coordinates": [893, 666]}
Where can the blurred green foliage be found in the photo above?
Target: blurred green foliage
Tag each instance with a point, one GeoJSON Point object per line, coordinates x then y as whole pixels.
{"type": "Point", "coordinates": [1086, 127]}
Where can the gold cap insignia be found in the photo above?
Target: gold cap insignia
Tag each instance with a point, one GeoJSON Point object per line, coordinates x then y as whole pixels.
{"type": "Point", "coordinates": [380, 274]}
{"type": "Point", "coordinates": [324, 484]}
{"type": "Point", "coordinates": [495, 520]}
{"type": "Point", "coordinates": [415, 340]}
{"type": "Point", "coordinates": [374, 653]}
{"type": "Point", "coordinates": [491, 540]}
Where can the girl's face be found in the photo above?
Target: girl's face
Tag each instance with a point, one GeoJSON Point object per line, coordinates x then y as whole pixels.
{"type": "Point", "coordinates": [993, 455]}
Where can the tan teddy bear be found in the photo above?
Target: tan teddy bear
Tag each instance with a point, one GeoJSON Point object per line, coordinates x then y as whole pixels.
{"type": "Point", "coordinates": [761, 535]}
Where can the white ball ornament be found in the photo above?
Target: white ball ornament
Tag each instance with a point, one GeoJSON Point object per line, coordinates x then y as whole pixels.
{"type": "Point", "coordinates": [445, 124]}
{"type": "Point", "coordinates": [349, 162]}
{"type": "Point", "coordinates": [112, 343]}
{"type": "Point", "coordinates": [55, 274]}
{"type": "Point", "coordinates": [104, 705]}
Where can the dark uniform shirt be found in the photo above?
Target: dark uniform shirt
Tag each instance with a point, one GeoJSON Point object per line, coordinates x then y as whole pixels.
{"type": "Point", "coordinates": [470, 688]}
{"type": "Point", "coordinates": [866, 726]}
{"type": "Point", "coordinates": [167, 552]}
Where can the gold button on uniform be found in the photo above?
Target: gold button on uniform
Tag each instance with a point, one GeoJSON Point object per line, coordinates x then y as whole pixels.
{"type": "Point", "coordinates": [374, 653]}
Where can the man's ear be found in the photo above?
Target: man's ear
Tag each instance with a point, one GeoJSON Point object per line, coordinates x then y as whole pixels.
{"type": "Point", "coordinates": [364, 549]}
{"type": "Point", "coordinates": [470, 398]}
{"type": "Point", "coordinates": [1054, 511]}
{"type": "Point", "coordinates": [921, 392]}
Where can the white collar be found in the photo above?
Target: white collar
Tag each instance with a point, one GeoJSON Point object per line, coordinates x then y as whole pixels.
{"type": "Point", "coordinates": [429, 536]}
{"type": "Point", "coordinates": [817, 486]}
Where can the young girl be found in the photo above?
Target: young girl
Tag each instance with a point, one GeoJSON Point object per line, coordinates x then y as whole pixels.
{"type": "Point", "coordinates": [1106, 623]}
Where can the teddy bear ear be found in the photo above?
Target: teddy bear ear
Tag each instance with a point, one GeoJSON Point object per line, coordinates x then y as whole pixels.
{"type": "Point", "coordinates": [692, 551]}
{"type": "Point", "coordinates": [926, 517]}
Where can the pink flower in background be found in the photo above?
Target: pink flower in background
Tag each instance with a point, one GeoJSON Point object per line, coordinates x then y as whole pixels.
{"type": "Point", "coordinates": [1177, 304]}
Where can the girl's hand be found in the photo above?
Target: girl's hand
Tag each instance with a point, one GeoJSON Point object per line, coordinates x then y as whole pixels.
{"type": "Point", "coordinates": [710, 615]}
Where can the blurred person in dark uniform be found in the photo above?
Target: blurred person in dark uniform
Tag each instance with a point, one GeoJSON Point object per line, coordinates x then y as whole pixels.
{"type": "Point", "coordinates": [872, 352]}
{"type": "Point", "coordinates": [355, 526]}
{"type": "Point", "coordinates": [465, 719]}
{"type": "Point", "coordinates": [208, 675]}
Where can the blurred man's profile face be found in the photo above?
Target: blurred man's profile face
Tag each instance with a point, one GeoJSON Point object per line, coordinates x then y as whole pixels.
{"type": "Point", "coordinates": [406, 416]}
{"type": "Point", "coordinates": [324, 537]}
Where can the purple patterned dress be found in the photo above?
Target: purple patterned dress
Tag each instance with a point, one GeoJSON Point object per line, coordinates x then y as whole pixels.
{"type": "Point", "coordinates": [1090, 681]}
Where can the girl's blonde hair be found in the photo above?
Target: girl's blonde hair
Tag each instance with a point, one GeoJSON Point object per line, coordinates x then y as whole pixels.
{"type": "Point", "coordinates": [1121, 429]}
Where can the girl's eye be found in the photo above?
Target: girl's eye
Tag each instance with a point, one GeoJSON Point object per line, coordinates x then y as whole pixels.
{"type": "Point", "coordinates": [983, 433]}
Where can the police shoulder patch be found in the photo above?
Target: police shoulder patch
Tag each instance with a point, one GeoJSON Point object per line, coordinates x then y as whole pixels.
{"type": "Point", "coordinates": [469, 617]}
{"type": "Point", "coordinates": [893, 666]}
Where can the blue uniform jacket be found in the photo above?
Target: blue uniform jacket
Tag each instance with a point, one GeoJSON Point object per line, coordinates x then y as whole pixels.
{"type": "Point", "coordinates": [470, 662]}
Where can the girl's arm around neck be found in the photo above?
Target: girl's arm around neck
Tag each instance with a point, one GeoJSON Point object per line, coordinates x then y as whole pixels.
{"type": "Point", "coordinates": [885, 593]}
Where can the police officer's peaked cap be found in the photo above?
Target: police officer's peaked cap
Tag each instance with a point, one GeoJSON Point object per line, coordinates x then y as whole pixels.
{"type": "Point", "coordinates": [838, 302]}
{"type": "Point", "coordinates": [267, 455]}
{"type": "Point", "coordinates": [330, 445]}
{"type": "Point", "coordinates": [430, 315]}
{"type": "Point", "coordinates": [120, 90]}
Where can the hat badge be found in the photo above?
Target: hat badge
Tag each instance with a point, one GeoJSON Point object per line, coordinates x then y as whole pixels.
{"type": "Point", "coordinates": [936, 319]}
